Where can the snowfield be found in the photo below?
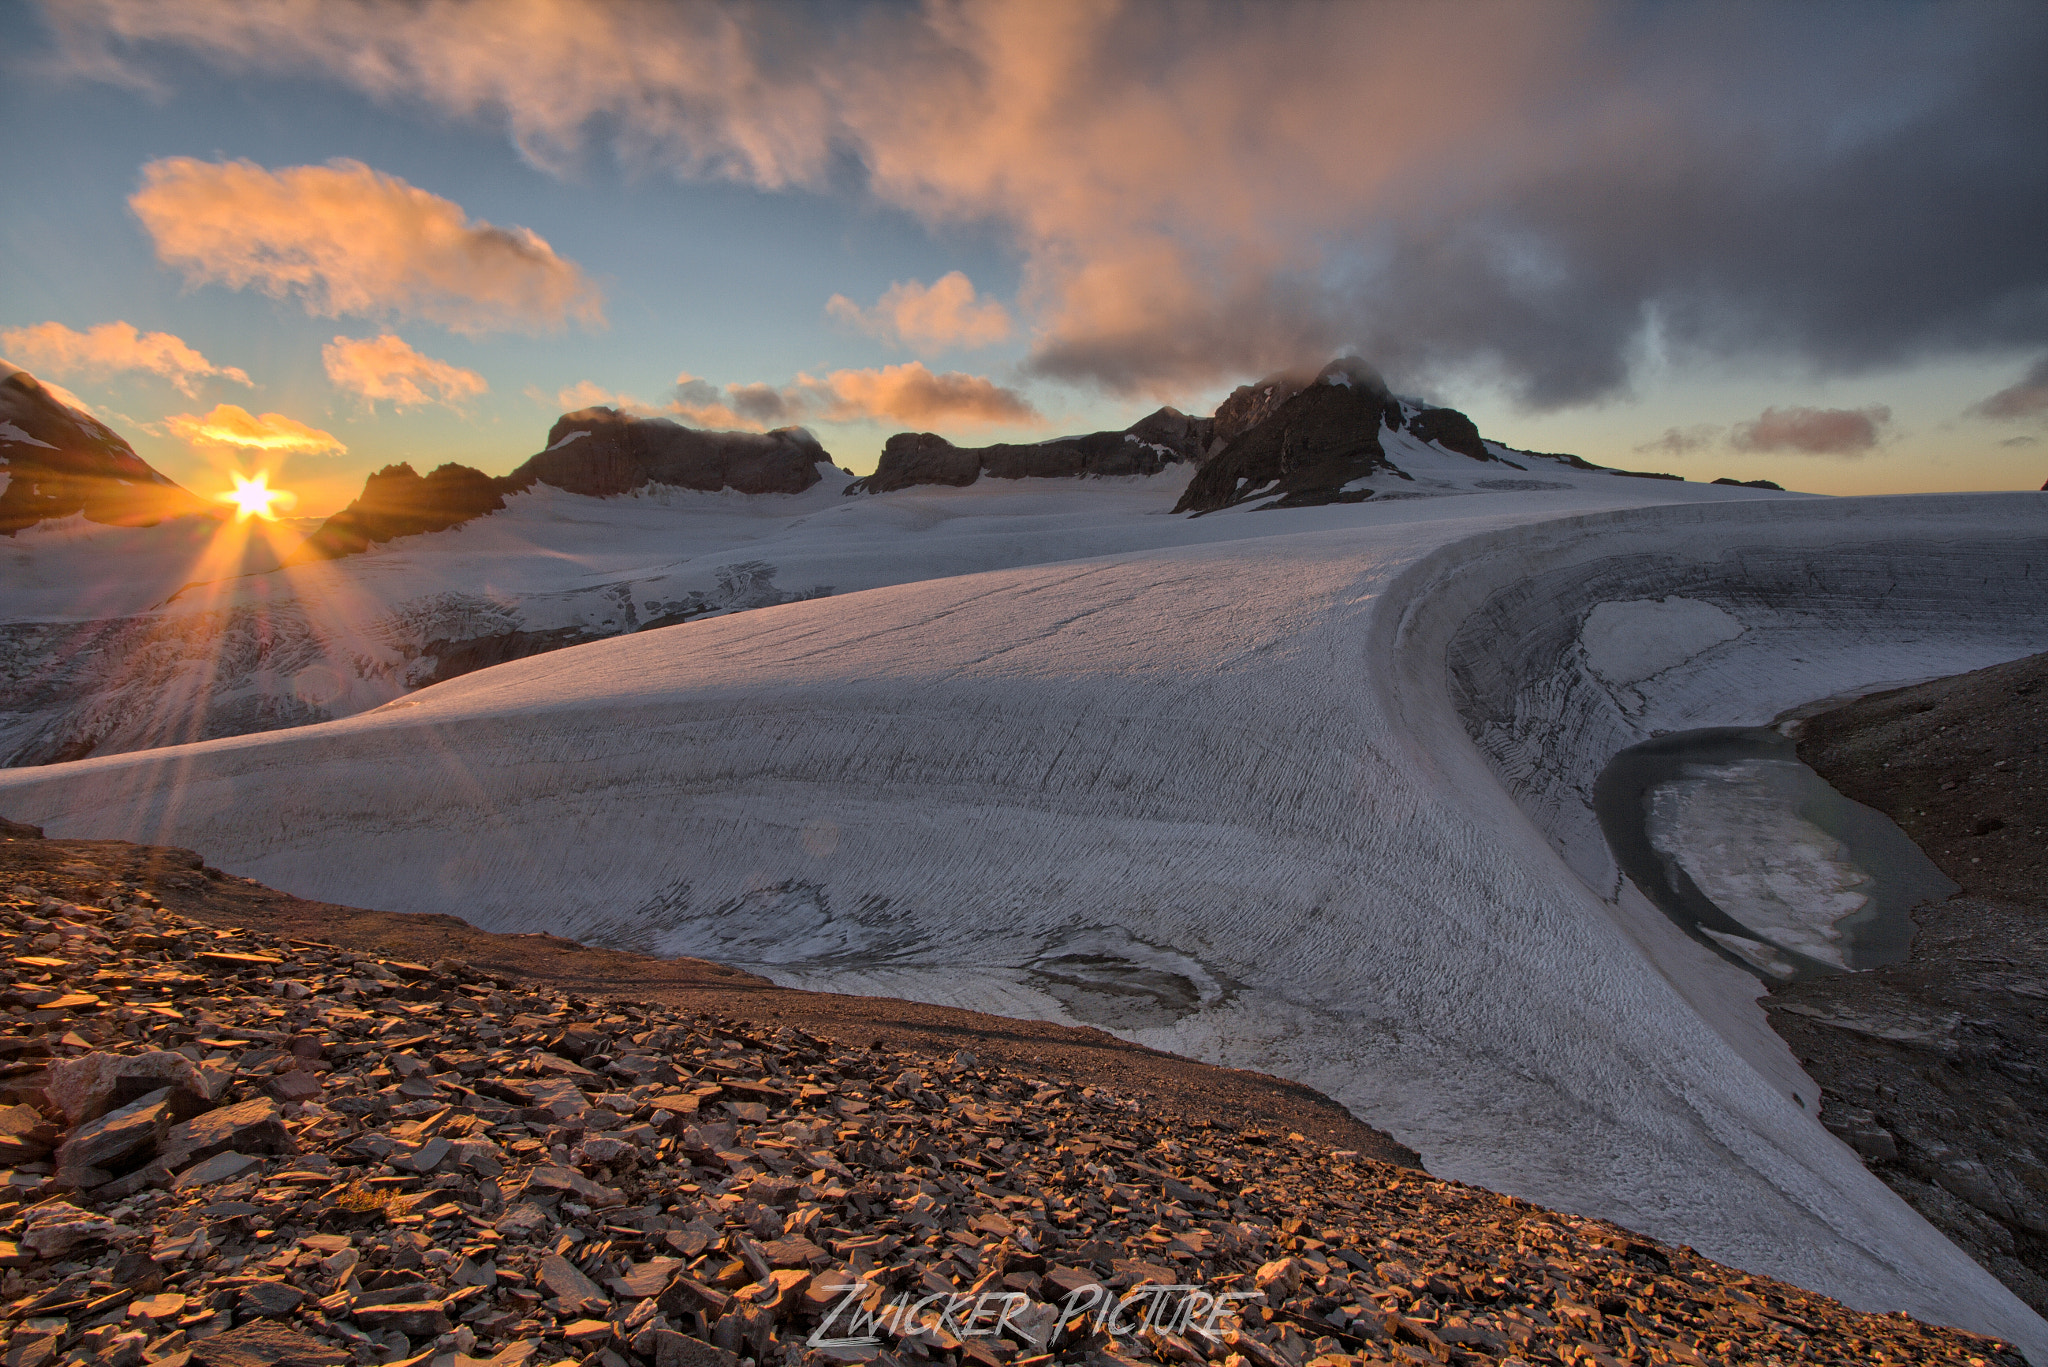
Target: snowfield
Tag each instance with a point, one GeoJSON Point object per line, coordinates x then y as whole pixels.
{"type": "Point", "coordinates": [1302, 791]}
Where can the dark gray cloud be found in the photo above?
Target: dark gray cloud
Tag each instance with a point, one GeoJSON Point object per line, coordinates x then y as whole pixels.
{"type": "Point", "coordinates": [760, 402]}
{"type": "Point", "coordinates": [1840, 190]}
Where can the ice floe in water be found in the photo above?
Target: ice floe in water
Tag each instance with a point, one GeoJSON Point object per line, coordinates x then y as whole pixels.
{"type": "Point", "coordinates": [1748, 848]}
{"type": "Point", "coordinates": [1736, 831]}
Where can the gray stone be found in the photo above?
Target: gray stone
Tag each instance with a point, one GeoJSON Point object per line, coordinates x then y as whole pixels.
{"type": "Point", "coordinates": [269, 1300]}
{"type": "Point", "coordinates": [265, 1344]}
{"type": "Point", "coordinates": [550, 1178]}
{"type": "Point", "coordinates": [562, 1278]}
{"type": "Point", "coordinates": [253, 1126]}
{"type": "Point", "coordinates": [414, 1319]}
{"type": "Point", "coordinates": [218, 1168]}
{"type": "Point", "coordinates": [58, 1228]}
{"type": "Point", "coordinates": [672, 1349]}
{"type": "Point", "coordinates": [96, 1150]}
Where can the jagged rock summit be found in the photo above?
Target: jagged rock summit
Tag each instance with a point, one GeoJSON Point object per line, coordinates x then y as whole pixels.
{"type": "Point", "coordinates": [601, 452]}
{"type": "Point", "coordinates": [1146, 447]}
{"type": "Point", "coordinates": [597, 452]}
{"type": "Point", "coordinates": [60, 461]}
{"type": "Point", "coordinates": [1303, 444]}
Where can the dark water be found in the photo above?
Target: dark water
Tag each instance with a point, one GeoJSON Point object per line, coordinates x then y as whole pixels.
{"type": "Point", "coordinates": [1750, 782]}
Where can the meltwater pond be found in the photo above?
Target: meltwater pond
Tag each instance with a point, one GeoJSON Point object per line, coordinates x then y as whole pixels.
{"type": "Point", "coordinates": [1759, 857]}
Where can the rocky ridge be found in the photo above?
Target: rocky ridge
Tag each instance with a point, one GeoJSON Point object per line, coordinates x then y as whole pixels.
{"type": "Point", "coordinates": [1157, 440]}
{"type": "Point", "coordinates": [597, 452]}
{"type": "Point", "coordinates": [226, 1147]}
{"type": "Point", "coordinates": [59, 461]}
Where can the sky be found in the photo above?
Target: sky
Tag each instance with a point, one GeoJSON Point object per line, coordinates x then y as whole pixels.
{"type": "Point", "coordinates": [315, 237]}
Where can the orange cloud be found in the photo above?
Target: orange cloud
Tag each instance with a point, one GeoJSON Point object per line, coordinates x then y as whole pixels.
{"type": "Point", "coordinates": [908, 393]}
{"type": "Point", "coordinates": [1814, 431]}
{"type": "Point", "coordinates": [240, 430]}
{"type": "Point", "coordinates": [387, 368]}
{"type": "Point", "coordinates": [110, 347]}
{"type": "Point", "coordinates": [346, 239]}
{"type": "Point", "coordinates": [928, 319]}
{"type": "Point", "coordinates": [701, 404]}
{"type": "Point", "coordinates": [590, 394]}
{"type": "Point", "coordinates": [914, 395]}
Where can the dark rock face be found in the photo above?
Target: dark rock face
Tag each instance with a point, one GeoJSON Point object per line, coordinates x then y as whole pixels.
{"type": "Point", "coordinates": [1450, 429]}
{"type": "Point", "coordinates": [397, 501]}
{"type": "Point", "coordinates": [1751, 484]}
{"type": "Point", "coordinates": [598, 452]}
{"type": "Point", "coordinates": [1146, 447]}
{"type": "Point", "coordinates": [1321, 438]}
{"type": "Point", "coordinates": [1251, 404]}
{"type": "Point", "coordinates": [59, 461]}
{"type": "Point", "coordinates": [920, 458]}
{"type": "Point", "coordinates": [621, 453]}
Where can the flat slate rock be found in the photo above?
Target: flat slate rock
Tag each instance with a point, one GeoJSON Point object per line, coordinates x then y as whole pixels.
{"type": "Point", "coordinates": [267, 1345]}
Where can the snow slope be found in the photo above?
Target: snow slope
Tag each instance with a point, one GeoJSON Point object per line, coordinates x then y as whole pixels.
{"type": "Point", "coordinates": [1210, 783]}
{"type": "Point", "coordinates": [117, 639]}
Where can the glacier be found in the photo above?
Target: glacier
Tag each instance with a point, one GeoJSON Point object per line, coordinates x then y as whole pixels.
{"type": "Point", "coordinates": [1302, 791]}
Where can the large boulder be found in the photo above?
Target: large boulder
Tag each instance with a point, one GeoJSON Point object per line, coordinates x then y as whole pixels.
{"type": "Point", "coordinates": [1147, 446]}
{"type": "Point", "coordinates": [87, 1087]}
{"type": "Point", "coordinates": [59, 461]}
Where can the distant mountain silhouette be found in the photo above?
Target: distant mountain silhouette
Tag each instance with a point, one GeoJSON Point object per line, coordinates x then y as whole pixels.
{"type": "Point", "coordinates": [60, 461]}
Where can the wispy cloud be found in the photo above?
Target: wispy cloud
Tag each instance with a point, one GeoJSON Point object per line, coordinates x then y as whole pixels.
{"type": "Point", "coordinates": [346, 239]}
{"type": "Point", "coordinates": [910, 393]}
{"type": "Point", "coordinates": [386, 367]}
{"type": "Point", "coordinates": [1682, 441]}
{"type": "Point", "coordinates": [110, 348]}
{"type": "Point", "coordinates": [943, 316]}
{"type": "Point", "coordinates": [234, 428]}
{"type": "Point", "coordinates": [1813, 431]}
{"type": "Point", "coordinates": [590, 394]}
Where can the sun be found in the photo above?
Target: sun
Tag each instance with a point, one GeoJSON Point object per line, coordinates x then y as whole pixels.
{"type": "Point", "coordinates": [255, 497]}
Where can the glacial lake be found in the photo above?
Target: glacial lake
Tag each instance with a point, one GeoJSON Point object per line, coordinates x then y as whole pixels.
{"type": "Point", "coordinates": [1759, 857]}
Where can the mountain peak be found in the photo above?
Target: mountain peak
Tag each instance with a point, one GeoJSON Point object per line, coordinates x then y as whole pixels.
{"type": "Point", "coordinates": [60, 460]}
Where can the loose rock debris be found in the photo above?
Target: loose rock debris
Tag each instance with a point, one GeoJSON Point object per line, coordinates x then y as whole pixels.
{"type": "Point", "coordinates": [228, 1149]}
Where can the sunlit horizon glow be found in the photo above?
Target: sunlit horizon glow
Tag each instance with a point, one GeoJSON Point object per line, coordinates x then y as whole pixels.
{"type": "Point", "coordinates": [253, 497]}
